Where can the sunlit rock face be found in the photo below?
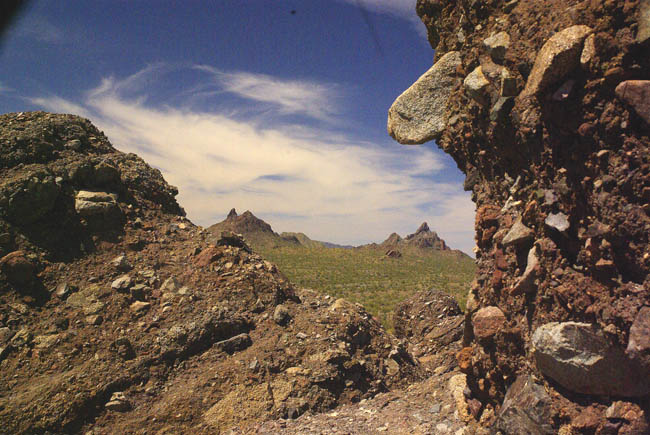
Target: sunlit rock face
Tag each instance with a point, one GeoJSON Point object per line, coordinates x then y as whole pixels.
{"type": "Point", "coordinates": [547, 115]}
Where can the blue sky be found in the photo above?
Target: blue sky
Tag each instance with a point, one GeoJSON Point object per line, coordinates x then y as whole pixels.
{"type": "Point", "coordinates": [242, 103]}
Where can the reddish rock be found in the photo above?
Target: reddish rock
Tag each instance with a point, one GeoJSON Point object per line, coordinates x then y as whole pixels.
{"type": "Point", "coordinates": [464, 358]}
{"type": "Point", "coordinates": [497, 279]}
{"type": "Point", "coordinates": [18, 268]}
{"type": "Point", "coordinates": [487, 322]}
{"type": "Point", "coordinates": [500, 259]}
{"type": "Point", "coordinates": [588, 420]}
{"type": "Point", "coordinates": [638, 345]}
{"type": "Point", "coordinates": [636, 93]}
{"type": "Point", "coordinates": [207, 256]}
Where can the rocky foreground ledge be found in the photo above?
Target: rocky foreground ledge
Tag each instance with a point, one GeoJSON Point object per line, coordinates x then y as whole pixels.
{"type": "Point", "coordinates": [545, 106]}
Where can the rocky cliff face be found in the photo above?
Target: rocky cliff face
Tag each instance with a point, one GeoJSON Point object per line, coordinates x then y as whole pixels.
{"type": "Point", "coordinates": [544, 107]}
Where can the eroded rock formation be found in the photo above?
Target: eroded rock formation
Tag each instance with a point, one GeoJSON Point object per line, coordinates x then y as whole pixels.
{"type": "Point", "coordinates": [547, 115]}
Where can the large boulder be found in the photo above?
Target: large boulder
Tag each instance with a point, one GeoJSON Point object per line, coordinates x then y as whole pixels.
{"type": "Point", "coordinates": [582, 359]}
{"type": "Point", "coordinates": [419, 114]}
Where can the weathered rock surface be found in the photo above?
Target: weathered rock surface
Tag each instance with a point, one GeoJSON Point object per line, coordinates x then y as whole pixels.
{"type": "Point", "coordinates": [559, 55]}
{"type": "Point", "coordinates": [476, 84]}
{"type": "Point", "coordinates": [637, 94]}
{"type": "Point", "coordinates": [526, 409]}
{"type": "Point", "coordinates": [420, 113]}
{"type": "Point", "coordinates": [518, 233]}
{"type": "Point", "coordinates": [638, 345]}
{"type": "Point", "coordinates": [488, 321]}
{"type": "Point", "coordinates": [569, 156]}
{"type": "Point", "coordinates": [643, 31]}
{"type": "Point", "coordinates": [497, 44]}
{"type": "Point", "coordinates": [583, 360]}
{"type": "Point", "coordinates": [94, 203]}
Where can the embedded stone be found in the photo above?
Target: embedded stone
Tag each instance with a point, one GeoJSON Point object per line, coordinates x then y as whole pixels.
{"type": "Point", "coordinates": [582, 359]}
{"type": "Point", "coordinates": [89, 203]}
{"type": "Point", "coordinates": [526, 409]}
{"type": "Point", "coordinates": [18, 268]}
{"type": "Point", "coordinates": [139, 306]}
{"type": "Point", "coordinates": [170, 285]}
{"type": "Point", "coordinates": [518, 233]}
{"type": "Point", "coordinates": [121, 263]}
{"type": "Point", "coordinates": [122, 283]}
{"type": "Point", "coordinates": [419, 114]}
{"type": "Point", "coordinates": [488, 321]}
{"type": "Point", "coordinates": [501, 109]}
{"type": "Point", "coordinates": [526, 282]}
{"type": "Point", "coordinates": [281, 315]}
{"type": "Point", "coordinates": [557, 57]}
{"type": "Point", "coordinates": [476, 84]}
{"type": "Point", "coordinates": [638, 345]}
{"type": "Point", "coordinates": [588, 52]}
{"type": "Point", "coordinates": [558, 221]}
{"type": "Point", "coordinates": [636, 93]}
{"type": "Point", "coordinates": [236, 343]}
{"type": "Point", "coordinates": [118, 402]}
{"type": "Point", "coordinates": [496, 45]}
{"type": "Point", "coordinates": [643, 30]}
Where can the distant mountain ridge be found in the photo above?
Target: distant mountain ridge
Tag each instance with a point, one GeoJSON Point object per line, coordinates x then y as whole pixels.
{"type": "Point", "coordinates": [422, 238]}
{"type": "Point", "coordinates": [257, 230]}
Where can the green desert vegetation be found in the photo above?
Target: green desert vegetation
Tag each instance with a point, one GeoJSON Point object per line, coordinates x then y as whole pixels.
{"type": "Point", "coordinates": [367, 276]}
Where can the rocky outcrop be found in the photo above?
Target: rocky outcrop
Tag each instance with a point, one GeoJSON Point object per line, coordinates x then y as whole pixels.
{"type": "Point", "coordinates": [420, 113]}
{"type": "Point", "coordinates": [556, 151]}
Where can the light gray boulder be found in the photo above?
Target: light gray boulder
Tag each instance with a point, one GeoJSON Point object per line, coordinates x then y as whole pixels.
{"type": "Point", "coordinates": [557, 57]}
{"type": "Point", "coordinates": [420, 113]}
{"type": "Point", "coordinates": [579, 357]}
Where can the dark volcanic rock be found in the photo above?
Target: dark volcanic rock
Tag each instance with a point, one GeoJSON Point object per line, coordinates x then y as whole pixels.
{"type": "Point", "coordinates": [526, 409]}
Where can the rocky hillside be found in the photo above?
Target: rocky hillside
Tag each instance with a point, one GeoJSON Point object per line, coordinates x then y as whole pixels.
{"type": "Point", "coordinates": [544, 107]}
{"type": "Point", "coordinates": [118, 314]}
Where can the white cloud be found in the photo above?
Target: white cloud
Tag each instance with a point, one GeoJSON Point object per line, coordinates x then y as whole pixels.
{"type": "Point", "coordinates": [289, 96]}
{"type": "Point", "coordinates": [399, 8]}
{"type": "Point", "coordinates": [299, 178]}
{"type": "Point", "coordinates": [40, 29]}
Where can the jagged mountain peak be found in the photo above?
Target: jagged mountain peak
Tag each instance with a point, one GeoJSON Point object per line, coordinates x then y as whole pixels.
{"type": "Point", "coordinates": [424, 228]}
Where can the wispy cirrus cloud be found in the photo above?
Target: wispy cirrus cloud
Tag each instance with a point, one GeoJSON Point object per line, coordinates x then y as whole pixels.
{"type": "Point", "coordinates": [400, 8]}
{"type": "Point", "coordinates": [306, 177]}
{"type": "Point", "coordinates": [41, 29]}
{"type": "Point", "coordinates": [300, 97]}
